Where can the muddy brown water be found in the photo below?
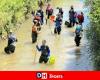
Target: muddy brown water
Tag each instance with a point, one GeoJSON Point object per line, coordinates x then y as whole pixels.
{"type": "Point", "coordinates": [68, 56]}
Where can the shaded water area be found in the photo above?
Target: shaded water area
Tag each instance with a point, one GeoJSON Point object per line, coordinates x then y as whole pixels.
{"type": "Point", "coordinates": [68, 56]}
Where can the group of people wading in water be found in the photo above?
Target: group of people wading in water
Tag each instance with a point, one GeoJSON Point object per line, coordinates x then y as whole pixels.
{"type": "Point", "coordinates": [75, 19]}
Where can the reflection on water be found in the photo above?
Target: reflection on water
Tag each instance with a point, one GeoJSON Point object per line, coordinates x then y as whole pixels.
{"type": "Point", "coordinates": [78, 53]}
{"type": "Point", "coordinates": [77, 50]}
{"type": "Point", "coordinates": [68, 56]}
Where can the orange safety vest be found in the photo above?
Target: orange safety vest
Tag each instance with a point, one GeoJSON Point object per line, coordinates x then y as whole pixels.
{"type": "Point", "coordinates": [34, 29]}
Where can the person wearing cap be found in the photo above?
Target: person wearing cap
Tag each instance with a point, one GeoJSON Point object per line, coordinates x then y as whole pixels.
{"type": "Point", "coordinates": [45, 52]}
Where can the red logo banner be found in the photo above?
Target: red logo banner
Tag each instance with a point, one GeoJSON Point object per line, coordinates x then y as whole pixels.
{"type": "Point", "coordinates": [49, 75]}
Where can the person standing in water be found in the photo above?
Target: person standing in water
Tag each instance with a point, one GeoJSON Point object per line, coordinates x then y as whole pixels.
{"type": "Point", "coordinates": [78, 33]}
{"type": "Point", "coordinates": [81, 18]}
{"type": "Point", "coordinates": [45, 52]}
{"type": "Point", "coordinates": [11, 43]}
{"type": "Point", "coordinates": [72, 16]}
{"type": "Point", "coordinates": [49, 11]}
{"type": "Point", "coordinates": [58, 23]}
{"type": "Point", "coordinates": [41, 15]}
{"type": "Point", "coordinates": [61, 12]}
{"type": "Point", "coordinates": [34, 32]}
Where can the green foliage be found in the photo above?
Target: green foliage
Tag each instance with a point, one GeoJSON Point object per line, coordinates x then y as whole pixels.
{"type": "Point", "coordinates": [94, 31]}
{"type": "Point", "coordinates": [14, 11]}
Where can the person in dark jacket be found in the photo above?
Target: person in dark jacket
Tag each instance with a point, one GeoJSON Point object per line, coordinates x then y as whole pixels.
{"type": "Point", "coordinates": [41, 15]}
{"type": "Point", "coordinates": [72, 18]}
{"type": "Point", "coordinates": [11, 38]}
{"type": "Point", "coordinates": [49, 11]}
{"type": "Point", "coordinates": [45, 52]}
{"type": "Point", "coordinates": [11, 43]}
{"type": "Point", "coordinates": [58, 23]}
{"type": "Point", "coordinates": [61, 12]}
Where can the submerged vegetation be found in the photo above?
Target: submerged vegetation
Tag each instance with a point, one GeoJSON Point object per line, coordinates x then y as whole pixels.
{"type": "Point", "coordinates": [93, 32]}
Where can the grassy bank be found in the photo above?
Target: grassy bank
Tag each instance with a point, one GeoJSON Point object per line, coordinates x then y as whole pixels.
{"type": "Point", "coordinates": [14, 12]}
{"type": "Point", "coordinates": [93, 33]}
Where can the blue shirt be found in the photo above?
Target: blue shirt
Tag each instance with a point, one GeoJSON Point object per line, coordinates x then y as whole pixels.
{"type": "Point", "coordinates": [44, 48]}
{"type": "Point", "coordinates": [58, 22]}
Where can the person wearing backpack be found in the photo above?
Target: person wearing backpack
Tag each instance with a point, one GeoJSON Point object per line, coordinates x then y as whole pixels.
{"type": "Point", "coordinates": [45, 52]}
{"type": "Point", "coordinates": [58, 23]}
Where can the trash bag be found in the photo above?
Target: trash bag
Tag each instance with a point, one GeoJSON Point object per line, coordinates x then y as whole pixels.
{"type": "Point", "coordinates": [67, 24]}
{"type": "Point", "coordinates": [52, 60]}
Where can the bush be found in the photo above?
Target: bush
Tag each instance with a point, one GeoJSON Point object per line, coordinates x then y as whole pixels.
{"type": "Point", "coordinates": [13, 11]}
{"type": "Point", "coordinates": [93, 32]}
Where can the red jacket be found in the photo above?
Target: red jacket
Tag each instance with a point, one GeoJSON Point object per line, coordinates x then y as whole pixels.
{"type": "Point", "coordinates": [80, 18]}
